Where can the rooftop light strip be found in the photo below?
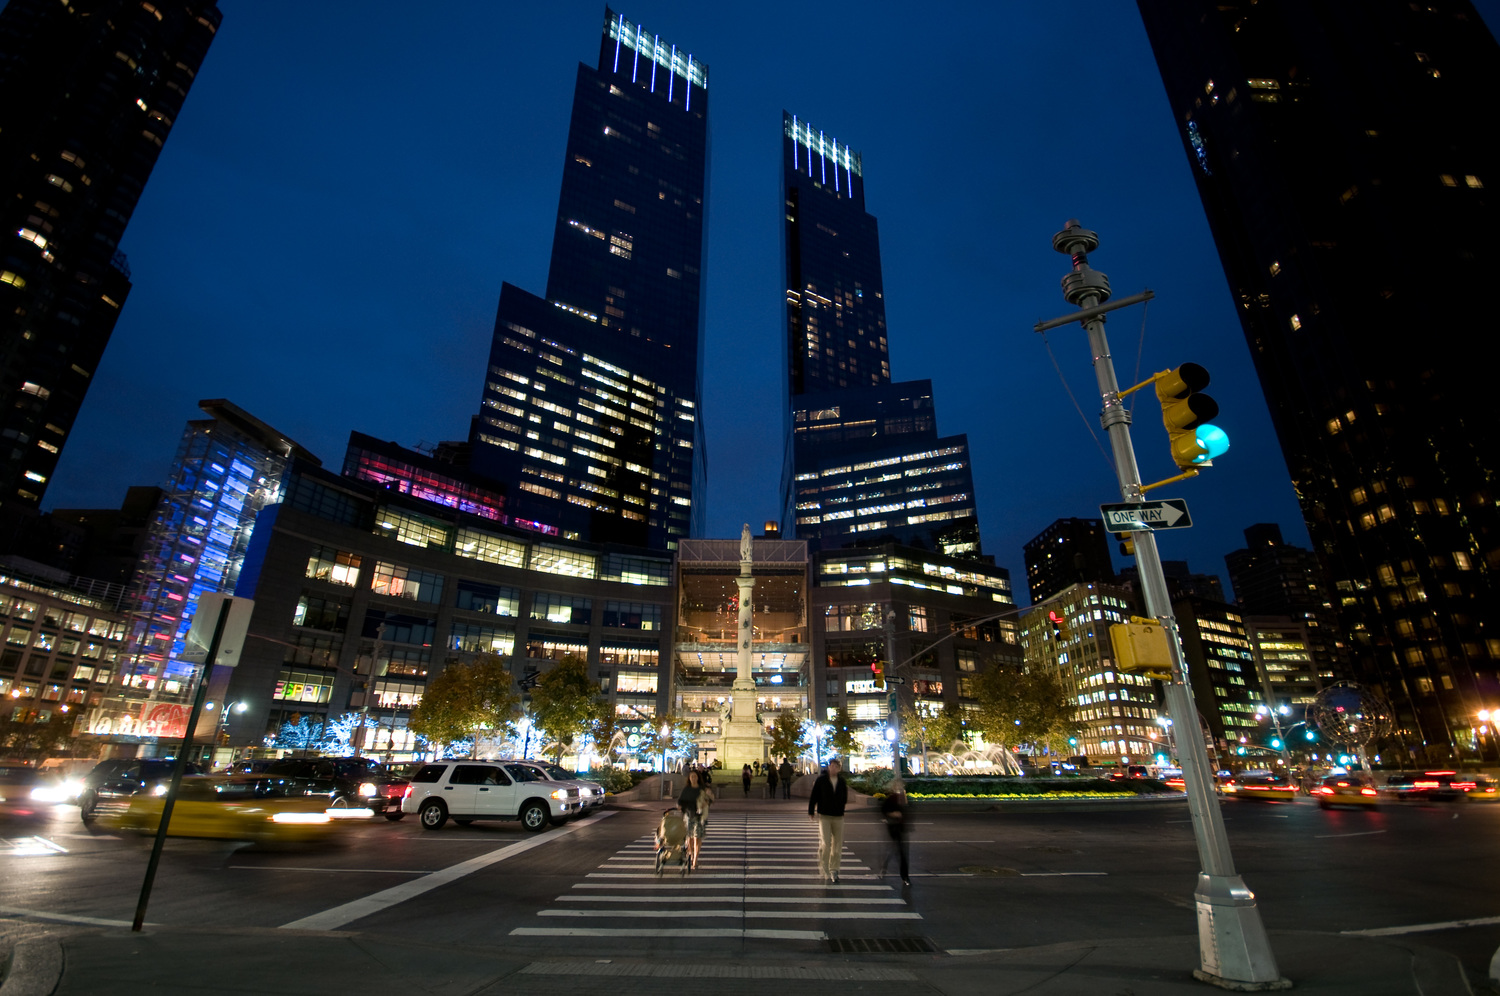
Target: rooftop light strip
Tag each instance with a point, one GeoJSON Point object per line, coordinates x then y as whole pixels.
{"type": "Point", "coordinates": [803, 134]}
{"type": "Point", "coordinates": [635, 38]}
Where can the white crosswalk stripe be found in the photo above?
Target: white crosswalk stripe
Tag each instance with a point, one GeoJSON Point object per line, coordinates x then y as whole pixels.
{"type": "Point", "coordinates": [761, 870]}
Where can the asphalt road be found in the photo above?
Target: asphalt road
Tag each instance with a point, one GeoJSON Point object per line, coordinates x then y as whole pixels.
{"type": "Point", "coordinates": [981, 881]}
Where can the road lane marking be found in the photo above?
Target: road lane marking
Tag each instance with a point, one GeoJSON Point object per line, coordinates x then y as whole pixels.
{"type": "Point", "coordinates": [747, 914]}
{"type": "Point", "coordinates": [843, 900]}
{"type": "Point", "coordinates": [669, 884]}
{"type": "Point", "coordinates": [1058, 874]}
{"type": "Point", "coordinates": [1423, 928]}
{"type": "Point", "coordinates": [1362, 833]}
{"type": "Point", "coordinates": [363, 871]}
{"type": "Point", "coordinates": [338, 916]}
{"type": "Point", "coordinates": [65, 917]}
{"type": "Point", "coordinates": [756, 933]}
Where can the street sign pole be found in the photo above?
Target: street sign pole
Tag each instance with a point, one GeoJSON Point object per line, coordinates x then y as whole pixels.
{"type": "Point", "coordinates": [1233, 948]}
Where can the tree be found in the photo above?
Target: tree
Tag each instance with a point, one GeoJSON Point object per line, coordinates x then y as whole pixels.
{"type": "Point", "coordinates": [935, 729]}
{"type": "Point", "coordinates": [786, 734]}
{"type": "Point", "coordinates": [680, 740]}
{"type": "Point", "coordinates": [842, 739]}
{"type": "Point", "coordinates": [23, 735]}
{"type": "Point", "coordinates": [564, 702]}
{"type": "Point", "coordinates": [1024, 707]}
{"type": "Point", "coordinates": [602, 730]}
{"type": "Point", "coordinates": [463, 699]}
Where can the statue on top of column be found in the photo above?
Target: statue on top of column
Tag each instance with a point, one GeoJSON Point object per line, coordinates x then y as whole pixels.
{"type": "Point", "coordinates": [746, 545]}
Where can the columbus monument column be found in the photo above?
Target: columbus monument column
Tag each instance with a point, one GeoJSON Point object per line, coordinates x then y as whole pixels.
{"type": "Point", "coordinates": [742, 740]}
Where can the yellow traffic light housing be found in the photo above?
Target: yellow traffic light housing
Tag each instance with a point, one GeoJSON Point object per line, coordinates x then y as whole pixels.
{"type": "Point", "coordinates": [1186, 412]}
{"type": "Point", "coordinates": [877, 669]}
{"type": "Point", "coordinates": [1060, 630]}
{"type": "Point", "coordinates": [1141, 648]}
{"type": "Point", "coordinates": [1127, 544]}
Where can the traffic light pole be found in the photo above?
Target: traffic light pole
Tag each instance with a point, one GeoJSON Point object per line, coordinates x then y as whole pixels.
{"type": "Point", "coordinates": [1233, 949]}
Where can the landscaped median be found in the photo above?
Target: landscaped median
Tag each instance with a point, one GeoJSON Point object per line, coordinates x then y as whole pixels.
{"type": "Point", "coordinates": [969, 792]}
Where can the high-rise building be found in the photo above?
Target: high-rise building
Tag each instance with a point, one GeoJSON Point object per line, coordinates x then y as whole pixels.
{"type": "Point", "coordinates": [1334, 149]}
{"type": "Point", "coordinates": [1182, 582]}
{"type": "Point", "coordinates": [92, 87]}
{"type": "Point", "coordinates": [864, 463]}
{"type": "Point", "coordinates": [1275, 579]}
{"type": "Point", "coordinates": [1065, 553]}
{"type": "Point", "coordinates": [591, 410]}
{"type": "Point", "coordinates": [1222, 669]}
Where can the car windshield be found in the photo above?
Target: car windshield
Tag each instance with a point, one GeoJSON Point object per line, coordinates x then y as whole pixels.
{"type": "Point", "coordinates": [152, 770]}
{"type": "Point", "coordinates": [558, 772]}
{"type": "Point", "coordinates": [524, 773]}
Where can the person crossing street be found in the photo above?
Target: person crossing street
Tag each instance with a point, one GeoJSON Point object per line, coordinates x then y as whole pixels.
{"type": "Point", "coordinates": [830, 794]}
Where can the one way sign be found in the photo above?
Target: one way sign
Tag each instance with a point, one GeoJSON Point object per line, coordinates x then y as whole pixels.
{"type": "Point", "coordinates": [1165, 513]}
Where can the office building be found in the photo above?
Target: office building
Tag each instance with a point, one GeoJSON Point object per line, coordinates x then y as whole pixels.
{"type": "Point", "coordinates": [92, 88]}
{"type": "Point", "coordinates": [864, 463]}
{"type": "Point", "coordinates": [1272, 579]}
{"type": "Point", "coordinates": [591, 414]}
{"type": "Point", "coordinates": [1222, 670]}
{"type": "Point", "coordinates": [1182, 582]}
{"type": "Point", "coordinates": [1284, 663]}
{"type": "Point", "coordinates": [1066, 553]}
{"type": "Point", "coordinates": [1335, 150]}
{"type": "Point", "coordinates": [1117, 713]}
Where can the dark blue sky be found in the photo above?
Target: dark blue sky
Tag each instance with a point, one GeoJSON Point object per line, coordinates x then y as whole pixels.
{"type": "Point", "coordinates": [325, 235]}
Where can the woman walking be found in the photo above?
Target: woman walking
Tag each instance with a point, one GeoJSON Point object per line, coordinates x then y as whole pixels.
{"type": "Point", "coordinates": [746, 774]}
{"type": "Point", "coordinates": [771, 778]}
{"type": "Point", "coordinates": [694, 805]}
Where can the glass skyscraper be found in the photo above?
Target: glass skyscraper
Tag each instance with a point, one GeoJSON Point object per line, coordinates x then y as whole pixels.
{"type": "Point", "coordinates": [1339, 155]}
{"type": "Point", "coordinates": [590, 414]}
{"type": "Point", "coordinates": [864, 462]}
{"type": "Point", "coordinates": [92, 88]}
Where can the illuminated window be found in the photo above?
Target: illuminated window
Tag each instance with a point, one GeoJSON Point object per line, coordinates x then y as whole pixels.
{"type": "Point", "coordinates": [1296, 322]}
{"type": "Point", "coordinates": [333, 565]}
{"type": "Point", "coordinates": [478, 638]}
{"type": "Point", "coordinates": [549, 607]}
{"type": "Point", "coordinates": [405, 527]}
{"type": "Point", "coordinates": [406, 582]}
{"type": "Point", "coordinates": [490, 549]}
{"type": "Point", "coordinates": [491, 599]}
{"type": "Point", "coordinates": [561, 560]}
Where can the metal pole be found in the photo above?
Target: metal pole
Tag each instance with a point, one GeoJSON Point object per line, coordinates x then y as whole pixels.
{"type": "Point", "coordinates": [1232, 941]}
{"type": "Point", "coordinates": [895, 690]}
{"type": "Point", "coordinates": [181, 766]}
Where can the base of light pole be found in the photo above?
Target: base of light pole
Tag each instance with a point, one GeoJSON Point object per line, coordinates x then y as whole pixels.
{"type": "Point", "coordinates": [1233, 949]}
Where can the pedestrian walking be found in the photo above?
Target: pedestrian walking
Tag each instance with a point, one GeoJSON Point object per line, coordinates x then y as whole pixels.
{"type": "Point", "coordinates": [694, 806]}
{"type": "Point", "coordinates": [771, 780]}
{"type": "Point", "coordinates": [830, 794]}
{"type": "Point", "coordinates": [894, 811]}
{"type": "Point", "coordinates": [787, 773]}
{"type": "Point", "coordinates": [746, 774]}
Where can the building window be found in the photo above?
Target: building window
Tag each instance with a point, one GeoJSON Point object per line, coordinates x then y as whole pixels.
{"type": "Point", "coordinates": [562, 560]}
{"type": "Point", "coordinates": [417, 530]}
{"type": "Point", "coordinates": [639, 684]}
{"type": "Point", "coordinates": [478, 638]}
{"type": "Point", "coordinates": [624, 654]}
{"type": "Point", "coordinates": [397, 694]}
{"type": "Point", "coordinates": [321, 613]}
{"type": "Point", "coordinates": [483, 546]}
{"type": "Point", "coordinates": [636, 570]}
{"type": "Point", "coordinates": [916, 618]}
{"type": "Point", "coordinates": [399, 628]}
{"type": "Point", "coordinates": [549, 607]}
{"type": "Point", "coordinates": [406, 582]}
{"type": "Point", "coordinates": [848, 618]}
{"type": "Point", "coordinates": [333, 565]}
{"type": "Point", "coordinates": [554, 647]}
{"type": "Point", "coordinates": [493, 599]}
{"type": "Point", "coordinates": [632, 615]}
{"type": "Point", "coordinates": [303, 686]}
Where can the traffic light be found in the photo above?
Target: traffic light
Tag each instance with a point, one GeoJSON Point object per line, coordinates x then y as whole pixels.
{"type": "Point", "coordinates": [878, 670]}
{"type": "Point", "coordinates": [1141, 647]}
{"type": "Point", "coordinates": [1127, 544]}
{"type": "Point", "coordinates": [1060, 630]}
{"type": "Point", "coordinates": [1186, 413]}
{"type": "Point", "coordinates": [1276, 742]}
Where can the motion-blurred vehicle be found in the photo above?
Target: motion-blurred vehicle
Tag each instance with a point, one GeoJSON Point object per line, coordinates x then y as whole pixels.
{"type": "Point", "coordinates": [354, 783]}
{"type": "Point", "coordinates": [17, 780]}
{"type": "Point", "coordinates": [1485, 789]}
{"type": "Point", "coordinates": [227, 807]}
{"type": "Point", "coordinates": [488, 790]}
{"type": "Point", "coordinates": [1430, 786]}
{"type": "Point", "coordinates": [590, 794]}
{"type": "Point", "coordinates": [1352, 789]}
{"type": "Point", "coordinates": [1261, 785]}
{"type": "Point", "coordinates": [124, 777]}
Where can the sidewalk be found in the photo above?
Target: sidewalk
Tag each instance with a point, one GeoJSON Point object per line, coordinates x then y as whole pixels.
{"type": "Point", "coordinates": [70, 960]}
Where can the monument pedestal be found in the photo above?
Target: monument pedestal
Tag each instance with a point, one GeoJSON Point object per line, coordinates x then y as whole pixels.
{"type": "Point", "coordinates": [743, 740]}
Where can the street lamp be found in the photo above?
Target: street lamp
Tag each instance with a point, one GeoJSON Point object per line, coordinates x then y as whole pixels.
{"type": "Point", "coordinates": [666, 731]}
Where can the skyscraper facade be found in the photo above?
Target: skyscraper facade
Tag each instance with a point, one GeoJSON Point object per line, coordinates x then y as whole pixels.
{"type": "Point", "coordinates": [591, 409]}
{"type": "Point", "coordinates": [92, 87]}
{"type": "Point", "coordinates": [1272, 578]}
{"type": "Point", "coordinates": [1065, 553]}
{"type": "Point", "coordinates": [1334, 148]}
{"type": "Point", "coordinates": [864, 462]}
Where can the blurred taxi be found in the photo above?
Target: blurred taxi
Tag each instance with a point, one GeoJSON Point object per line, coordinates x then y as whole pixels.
{"type": "Point", "coordinates": [1440, 786]}
{"type": "Point", "coordinates": [1351, 789]}
{"type": "Point", "coordinates": [228, 807]}
{"type": "Point", "coordinates": [1485, 789]}
{"type": "Point", "coordinates": [1263, 785]}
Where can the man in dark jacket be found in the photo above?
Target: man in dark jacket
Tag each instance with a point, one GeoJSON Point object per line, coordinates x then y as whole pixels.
{"type": "Point", "coordinates": [830, 794]}
{"type": "Point", "coordinates": [787, 773]}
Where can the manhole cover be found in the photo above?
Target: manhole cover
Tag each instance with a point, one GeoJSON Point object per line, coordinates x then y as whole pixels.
{"type": "Point", "coordinates": [987, 870]}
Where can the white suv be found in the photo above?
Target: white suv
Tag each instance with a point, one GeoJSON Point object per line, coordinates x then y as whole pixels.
{"type": "Point", "coordinates": [487, 790]}
{"type": "Point", "coordinates": [590, 794]}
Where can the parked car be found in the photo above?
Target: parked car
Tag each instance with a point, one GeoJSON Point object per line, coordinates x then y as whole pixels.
{"type": "Point", "coordinates": [123, 777]}
{"type": "Point", "coordinates": [590, 794]}
{"type": "Point", "coordinates": [1352, 789]}
{"type": "Point", "coordinates": [228, 807]}
{"type": "Point", "coordinates": [488, 790]}
{"type": "Point", "coordinates": [17, 781]}
{"type": "Point", "coordinates": [346, 782]}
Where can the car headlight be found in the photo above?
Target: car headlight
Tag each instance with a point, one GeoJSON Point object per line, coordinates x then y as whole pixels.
{"type": "Point", "coordinates": [560, 794]}
{"type": "Point", "coordinates": [159, 790]}
{"type": "Point", "coordinates": [367, 789]}
{"type": "Point", "coordinates": [45, 793]}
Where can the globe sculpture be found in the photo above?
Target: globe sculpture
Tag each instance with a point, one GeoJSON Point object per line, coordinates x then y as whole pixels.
{"type": "Point", "coordinates": [1351, 714]}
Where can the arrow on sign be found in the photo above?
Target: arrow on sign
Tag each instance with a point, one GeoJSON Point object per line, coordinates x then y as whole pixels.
{"type": "Point", "coordinates": [894, 679]}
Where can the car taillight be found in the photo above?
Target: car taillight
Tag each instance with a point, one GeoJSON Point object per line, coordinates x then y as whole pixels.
{"type": "Point", "coordinates": [1366, 791]}
{"type": "Point", "coordinates": [1424, 785]}
{"type": "Point", "coordinates": [1323, 790]}
{"type": "Point", "coordinates": [407, 793]}
{"type": "Point", "coordinates": [367, 789]}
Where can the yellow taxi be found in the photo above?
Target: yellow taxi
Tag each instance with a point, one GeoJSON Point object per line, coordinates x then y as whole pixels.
{"type": "Point", "coordinates": [1352, 789]}
{"type": "Point", "coordinates": [229, 807]}
{"type": "Point", "coordinates": [1261, 785]}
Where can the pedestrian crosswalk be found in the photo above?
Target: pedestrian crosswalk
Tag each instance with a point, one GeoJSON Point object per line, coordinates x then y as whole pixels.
{"type": "Point", "coordinates": [757, 877]}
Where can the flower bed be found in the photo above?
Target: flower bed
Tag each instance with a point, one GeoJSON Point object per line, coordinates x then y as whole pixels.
{"type": "Point", "coordinates": [1013, 787]}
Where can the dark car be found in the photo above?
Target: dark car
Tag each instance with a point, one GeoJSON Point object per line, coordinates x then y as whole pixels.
{"type": "Point", "coordinates": [1429, 786]}
{"type": "Point", "coordinates": [347, 782]}
{"type": "Point", "coordinates": [123, 777]}
{"type": "Point", "coordinates": [16, 783]}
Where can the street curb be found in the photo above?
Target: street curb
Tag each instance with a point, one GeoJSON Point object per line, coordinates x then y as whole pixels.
{"type": "Point", "coordinates": [34, 967]}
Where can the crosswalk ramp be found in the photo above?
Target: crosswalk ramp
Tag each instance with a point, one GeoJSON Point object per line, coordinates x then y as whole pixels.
{"type": "Point", "coordinates": [757, 878]}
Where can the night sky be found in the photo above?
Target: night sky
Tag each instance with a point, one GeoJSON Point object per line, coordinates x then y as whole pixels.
{"type": "Point", "coordinates": [324, 238]}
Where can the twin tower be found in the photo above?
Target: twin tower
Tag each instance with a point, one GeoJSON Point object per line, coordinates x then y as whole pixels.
{"type": "Point", "coordinates": [591, 415]}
